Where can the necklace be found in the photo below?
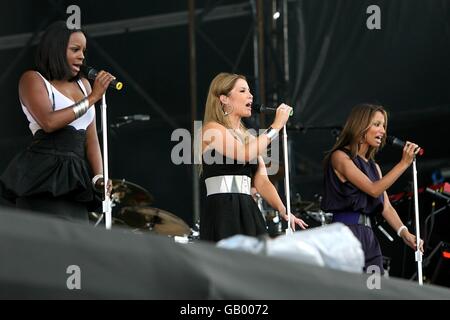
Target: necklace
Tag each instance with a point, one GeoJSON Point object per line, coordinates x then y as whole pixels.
{"type": "Point", "coordinates": [237, 135]}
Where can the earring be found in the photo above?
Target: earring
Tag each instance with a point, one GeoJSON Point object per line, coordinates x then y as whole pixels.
{"type": "Point", "coordinates": [225, 113]}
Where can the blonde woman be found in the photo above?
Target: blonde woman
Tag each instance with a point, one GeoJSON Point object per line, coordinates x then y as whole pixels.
{"type": "Point", "coordinates": [232, 162]}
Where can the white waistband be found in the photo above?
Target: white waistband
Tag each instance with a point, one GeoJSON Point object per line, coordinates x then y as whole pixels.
{"type": "Point", "coordinates": [228, 184]}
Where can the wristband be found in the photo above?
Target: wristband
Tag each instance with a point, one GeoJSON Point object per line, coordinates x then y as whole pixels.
{"type": "Point", "coordinates": [399, 231]}
{"type": "Point", "coordinates": [271, 133]}
{"type": "Point", "coordinates": [96, 178]}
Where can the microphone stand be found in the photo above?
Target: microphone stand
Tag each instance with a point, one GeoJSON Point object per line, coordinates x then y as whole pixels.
{"type": "Point", "coordinates": [119, 124]}
{"type": "Point", "coordinates": [106, 203]}
{"type": "Point", "coordinates": [416, 213]}
{"type": "Point", "coordinates": [289, 230]}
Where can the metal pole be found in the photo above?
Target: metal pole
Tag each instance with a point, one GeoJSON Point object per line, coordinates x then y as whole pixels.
{"type": "Point", "coordinates": [285, 41]}
{"type": "Point", "coordinates": [106, 204]}
{"type": "Point", "coordinates": [289, 230]}
{"type": "Point", "coordinates": [416, 213]}
{"type": "Point", "coordinates": [272, 75]}
{"type": "Point", "coordinates": [255, 47]}
{"type": "Point", "coordinates": [193, 88]}
{"type": "Point", "coordinates": [261, 59]}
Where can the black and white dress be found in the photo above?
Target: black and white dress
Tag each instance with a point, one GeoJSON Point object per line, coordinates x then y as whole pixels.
{"type": "Point", "coordinates": [53, 172]}
{"type": "Point", "coordinates": [230, 208]}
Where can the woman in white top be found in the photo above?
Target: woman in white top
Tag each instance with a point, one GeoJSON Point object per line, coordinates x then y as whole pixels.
{"type": "Point", "coordinates": [57, 172]}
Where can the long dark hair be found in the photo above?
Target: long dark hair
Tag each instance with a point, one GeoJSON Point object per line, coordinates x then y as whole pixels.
{"type": "Point", "coordinates": [51, 54]}
{"type": "Point", "coordinates": [358, 122]}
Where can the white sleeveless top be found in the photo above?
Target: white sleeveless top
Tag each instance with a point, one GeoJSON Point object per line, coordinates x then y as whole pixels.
{"type": "Point", "coordinates": [60, 101]}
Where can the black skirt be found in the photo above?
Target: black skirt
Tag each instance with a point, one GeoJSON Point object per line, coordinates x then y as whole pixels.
{"type": "Point", "coordinates": [229, 214]}
{"type": "Point", "coordinates": [54, 165]}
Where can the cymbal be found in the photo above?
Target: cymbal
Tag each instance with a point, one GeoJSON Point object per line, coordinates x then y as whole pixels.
{"type": "Point", "coordinates": [154, 219]}
{"type": "Point", "coordinates": [130, 194]}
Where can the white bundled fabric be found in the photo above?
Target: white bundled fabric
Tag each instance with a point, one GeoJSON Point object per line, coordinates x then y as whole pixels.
{"type": "Point", "coordinates": [333, 246]}
{"type": "Point", "coordinates": [243, 243]}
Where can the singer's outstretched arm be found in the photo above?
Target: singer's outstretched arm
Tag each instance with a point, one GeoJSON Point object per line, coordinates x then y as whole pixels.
{"type": "Point", "coordinates": [393, 219]}
{"type": "Point", "coordinates": [267, 190]}
{"type": "Point", "coordinates": [93, 152]}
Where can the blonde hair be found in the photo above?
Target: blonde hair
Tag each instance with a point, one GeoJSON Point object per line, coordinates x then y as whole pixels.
{"type": "Point", "coordinates": [357, 125]}
{"type": "Point", "coordinates": [222, 84]}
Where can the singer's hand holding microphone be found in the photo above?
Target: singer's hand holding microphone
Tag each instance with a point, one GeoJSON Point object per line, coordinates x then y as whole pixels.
{"type": "Point", "coordinates": [102, 81]}
{"type": "Point", "coordinates": [101, 84]}
{"type": "Point", "coordinates": [410, 150]}
{"type": "Point", "coordinates": [282, 113]}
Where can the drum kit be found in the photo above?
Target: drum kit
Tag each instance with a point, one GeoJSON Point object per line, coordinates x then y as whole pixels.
{"type": "Point", "coordinates": [131, 209]}
{"type": "Point", "coordinates": [311, 212]}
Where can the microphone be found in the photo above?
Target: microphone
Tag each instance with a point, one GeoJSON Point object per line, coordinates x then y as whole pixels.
{"type": "Point", "coordinates": [91, 73]}
{"type": "Point", "coordinates": [399, 143]}
{"type": "Point", "coordinates": [135, 117]}
{"type": "Point", "coordinates": [260, 108]}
